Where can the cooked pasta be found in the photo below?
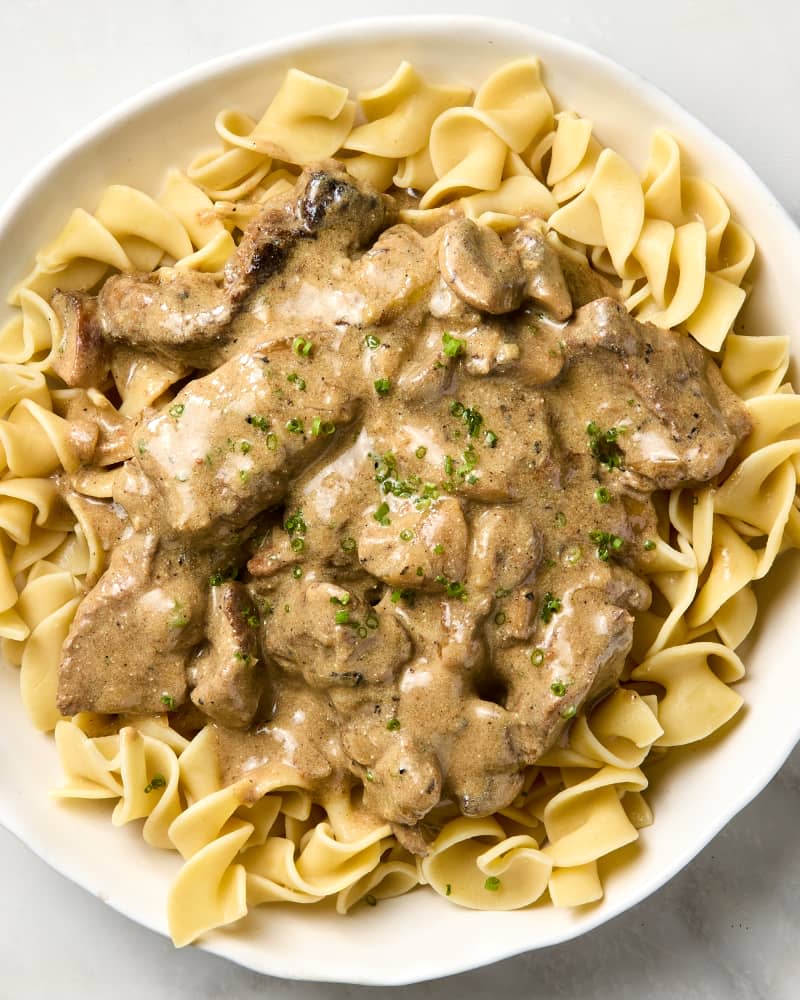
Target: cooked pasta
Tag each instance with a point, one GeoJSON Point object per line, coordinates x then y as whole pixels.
{"type": "Point", "coordinates": [668, 243]}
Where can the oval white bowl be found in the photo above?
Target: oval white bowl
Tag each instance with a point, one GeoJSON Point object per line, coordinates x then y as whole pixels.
{"type": "Point", "coordinates": [418, 936]}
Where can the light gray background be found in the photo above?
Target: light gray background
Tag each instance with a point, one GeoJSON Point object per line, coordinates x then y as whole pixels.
{"type": "Point", "coordinates": [729, 925]}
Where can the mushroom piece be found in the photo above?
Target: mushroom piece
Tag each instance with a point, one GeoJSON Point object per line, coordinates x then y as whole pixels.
{"type": "Point", "coordinates": [228, 679]}
{"type": "Point", "coordinates": [82, 357]}
{"type": "Point", "coordinates": [479, 268]}
{"type": "Point", "coordinates": [544, 280]}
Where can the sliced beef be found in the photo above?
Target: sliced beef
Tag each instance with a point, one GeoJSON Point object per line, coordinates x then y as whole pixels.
{"type": "Point", "coordinates": [433, 544]}
{"type": "Point", "coordinates": [177, 315]}
{"type": "Point", "coordinates": [678, 421]}
{"type": "Point", "coordinates": [328, 204]}
{"type": "Point", "coordinates": [226, 446]}
{"type": "Point", "coordinates": [333, 639]}
{"type": "Point", "coordinates": [133, 633]}
{"type": "Point", "coordinates": [187, 317]}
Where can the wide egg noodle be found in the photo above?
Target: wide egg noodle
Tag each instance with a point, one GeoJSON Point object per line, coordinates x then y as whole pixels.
{"type": "Point", "coordinates": [667, 239]}
{"type": "Point", "coordinates": [471, 854]}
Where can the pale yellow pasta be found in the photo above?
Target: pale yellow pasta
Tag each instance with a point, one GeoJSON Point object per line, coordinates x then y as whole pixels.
{"type": "Point", "coordinates": [664, 238]}
{"type": "Point", "coordinates": [698, 699]}
{"type": "Point", "coordinates": [586, 820]}
{"type": "Point", "coordinates": [477, 866]}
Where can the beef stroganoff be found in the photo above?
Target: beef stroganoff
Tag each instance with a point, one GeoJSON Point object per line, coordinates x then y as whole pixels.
{"type": "Point", "coordinates": [386, 492]}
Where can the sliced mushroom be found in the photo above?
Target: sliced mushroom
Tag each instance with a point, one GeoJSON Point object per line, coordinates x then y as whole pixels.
{"type": "Point", "coordinates": [479, 268]}
{"type": "Point", "coordinates": [228, 678]}
{"type": "Point", "coordinates": [544, 280]}
{"type": "Point", "coordinates": [82, 358]}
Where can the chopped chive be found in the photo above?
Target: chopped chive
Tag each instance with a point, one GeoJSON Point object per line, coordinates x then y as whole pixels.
{"type": "Point", "coordinates": [492, 883]}
{"type": "Point", "coordinates": [381, 514]}
{"type": "Point", "coordinates": [421, 452]}
{"type": "Point", "coordinates": [370, 900]}
{"type": "Point", "coordinates": [561, 519]}
{"type": "Point", "coordinates": [371, 621]}
{"type": "Point", "coordinates": [406, 535]}
{"type": "Point", "coordinates": [342, 618]}
{"type": "Point", "coordinates": [348, 544]}
{"type": "Point", "coordinates": [141, 447]}
{"type": "Point", "coordinates": [550, 606]}
{"type": "Point", "coordinates": [569, 713]}
{"type": "Point", "coordinates": [451, 346]}
{"type": "Point", "coordinates": [607, 544]}
{"type": "Point", "coordinates": [537, 657]}
{"type": "Point", "coordinates": [602, 495]}
{"type": "Point", "coordinates": [649, 545]}
{"type": "Point", "coordinates": [393, 725]}
{"type": "Point", "coordinates": [272, 441]}
{"type": "Point", "coordinates": [456, 408]}
{"type": "Point", "coordinates": [176, 411]}
{"type": "Point", "coordinates": [157, 781]}
{"type": "Point", "coordinates": [179, 618]}
{"type": "Point", "coordinates": [294, 425]}
{"type": "Point", "coordinates": [500, 618]}
{"type": "Point", "coordinates": [491, 439]}
{"type": "Point", "coordinates": [302, 347]}
{"type": "Point", "coordinates": [297, 572]}
{"type": "Point", "coordinates": [603, 445]}
{"type": "Point", "coordinates": [260, 423]}
{"type": "Point", "coordinates": [559, 688]}
{"type": "Point", "coordinates": [382, 386]}
{"type": "Point", "coordinates": [168, 701]}
{"type": "Point", "coordinates": [297, 544]}
{"type": "Point", "coordinates": [297, 380]}
{"type": "Point", "coordinates": [372, 341]}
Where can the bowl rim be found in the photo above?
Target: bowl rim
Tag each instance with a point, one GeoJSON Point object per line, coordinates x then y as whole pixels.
{"type": "Point", "coordinates": [378, 28]}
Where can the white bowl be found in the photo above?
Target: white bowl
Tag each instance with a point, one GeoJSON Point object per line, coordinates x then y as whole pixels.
{"type": "Point", "coordinates": [419, 936]}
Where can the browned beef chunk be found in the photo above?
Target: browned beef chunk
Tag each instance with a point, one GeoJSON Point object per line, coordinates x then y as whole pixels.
{"type": "Point", "coordinates": [680, 422]}
{"type": "Point", "coordinates": [129, 643]}
{"type": "Point", "coordinates": [187, 317]}
{"type": "Point", "coordinates": [82, 357]}
{"type": "Point", "coordinates": [227, 677]}
{"type": "Point", "coordinates": [224, 449]}
{"type": "Point", "coordinates": [326, 203]}
{"type": "Point", "coordinates": [176, 314]}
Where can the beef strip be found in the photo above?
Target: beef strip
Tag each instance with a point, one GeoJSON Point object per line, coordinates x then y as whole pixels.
{"type": "Point", "coordinates": [130, 642]}
{"type": "Point", "coordinates": [187, 317]}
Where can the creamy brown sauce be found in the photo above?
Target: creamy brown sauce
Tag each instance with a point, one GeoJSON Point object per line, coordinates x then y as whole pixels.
{"type": "Point", "coordinates": [394, 528]}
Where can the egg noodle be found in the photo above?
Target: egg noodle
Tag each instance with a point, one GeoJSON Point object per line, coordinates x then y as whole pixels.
{"type": "Point", "coordinates": [680, 261]}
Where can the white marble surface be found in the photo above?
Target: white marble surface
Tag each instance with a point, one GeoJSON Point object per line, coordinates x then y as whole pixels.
{"type": "Point", "coordinates": [729, 925]}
